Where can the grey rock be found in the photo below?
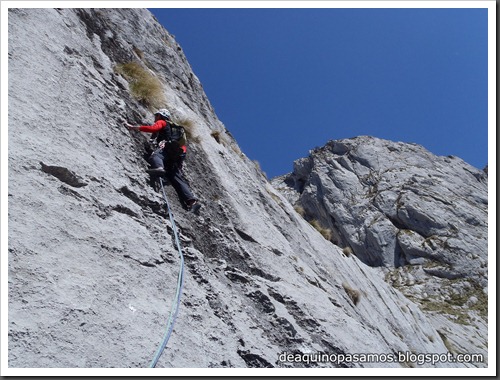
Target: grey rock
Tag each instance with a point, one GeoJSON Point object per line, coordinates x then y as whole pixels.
{"type": "Point", "coordinates": [402, 208]}
{"type": "Point", "coordinates": [92, 264]}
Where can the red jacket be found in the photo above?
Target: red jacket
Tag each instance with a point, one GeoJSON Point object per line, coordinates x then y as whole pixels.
{"type": "Point", "coordinates": [156, 127]}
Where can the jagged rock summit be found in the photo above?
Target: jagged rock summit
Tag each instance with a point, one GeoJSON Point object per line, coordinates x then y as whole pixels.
{"type": "Point", "coordinates": [422, 217]}
{"type": "Point", "coordinates": [92, 265]}
{"type": "Point", "coordinates": [384, 198]}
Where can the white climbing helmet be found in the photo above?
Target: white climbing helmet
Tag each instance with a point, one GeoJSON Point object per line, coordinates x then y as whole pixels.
{"type": "Point", "coordinates": [164, 113]}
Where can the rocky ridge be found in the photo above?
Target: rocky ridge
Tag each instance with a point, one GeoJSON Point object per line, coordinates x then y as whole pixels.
{"type": "Point", "coordinates": [397, 206]}
{"type": "Point", "coordinates": [92, 267]}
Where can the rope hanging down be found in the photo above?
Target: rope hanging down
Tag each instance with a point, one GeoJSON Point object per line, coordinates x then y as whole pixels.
{"type": "Point", "coordinates": [180, 280]}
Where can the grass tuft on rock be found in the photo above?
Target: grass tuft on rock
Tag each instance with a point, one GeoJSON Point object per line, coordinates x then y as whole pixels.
{"type": "Point", "coordinates": [144, 86]}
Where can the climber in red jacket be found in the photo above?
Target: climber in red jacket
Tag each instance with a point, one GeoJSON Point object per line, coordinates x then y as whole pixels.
{"type": "Point", "coordinates": [165, 161]}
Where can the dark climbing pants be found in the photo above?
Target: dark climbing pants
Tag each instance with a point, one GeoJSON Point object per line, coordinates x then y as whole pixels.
{"type": "Point", "coordinates": [173, 170]}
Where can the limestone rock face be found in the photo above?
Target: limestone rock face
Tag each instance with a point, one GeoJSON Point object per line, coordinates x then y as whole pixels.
{"type": "Point", "coordinates": [396, 205]}
{"type": "Point", "coordinates": [92, 263]}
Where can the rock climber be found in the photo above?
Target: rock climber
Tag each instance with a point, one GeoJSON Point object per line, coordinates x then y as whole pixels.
{"type": "Point", "coordinates": [165, 160]}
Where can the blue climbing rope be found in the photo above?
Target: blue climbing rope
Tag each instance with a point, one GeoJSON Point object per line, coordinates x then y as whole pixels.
{"type": "Point", "coordinates": [180, 281]}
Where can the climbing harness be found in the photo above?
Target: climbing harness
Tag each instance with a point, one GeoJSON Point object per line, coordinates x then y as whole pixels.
{"type": "Point", "coordinates": [180, 280]}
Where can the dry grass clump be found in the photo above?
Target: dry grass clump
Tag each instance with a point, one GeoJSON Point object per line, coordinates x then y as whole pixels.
{"type": "Point", "coordinates": [300, 210]}
{"type": "Point", "coordinates": [144, 86]}
{"type": "Point", "coordinates": [189, 127]}
{"type": "Point", "coordinates": [347, 251]}
{"type": "Point", "coordinates": [326, 232]}
{"type": "Point", "coordinates": [354, 295]}
{"type": "Point", "coordinates": [216, 136]}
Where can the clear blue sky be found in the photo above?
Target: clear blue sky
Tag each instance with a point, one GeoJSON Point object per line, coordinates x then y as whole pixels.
{"type": "Point", "coordinates": [284, 81]}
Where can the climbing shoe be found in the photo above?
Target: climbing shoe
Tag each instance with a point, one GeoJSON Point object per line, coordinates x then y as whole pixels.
{"type": "Point", "coordinates": [193, 205]}
{"type": "Point", "coordinates": [156, 171]}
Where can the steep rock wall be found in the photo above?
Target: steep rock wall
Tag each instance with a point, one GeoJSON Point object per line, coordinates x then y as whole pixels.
{"type": "Point", "coordinates": [398, 206]}
{"type": "Point", "coordinates": [92, 266]}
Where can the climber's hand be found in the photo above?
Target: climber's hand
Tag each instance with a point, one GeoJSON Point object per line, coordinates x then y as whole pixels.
{"type": "Point", "coordinates": [131, 127]}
